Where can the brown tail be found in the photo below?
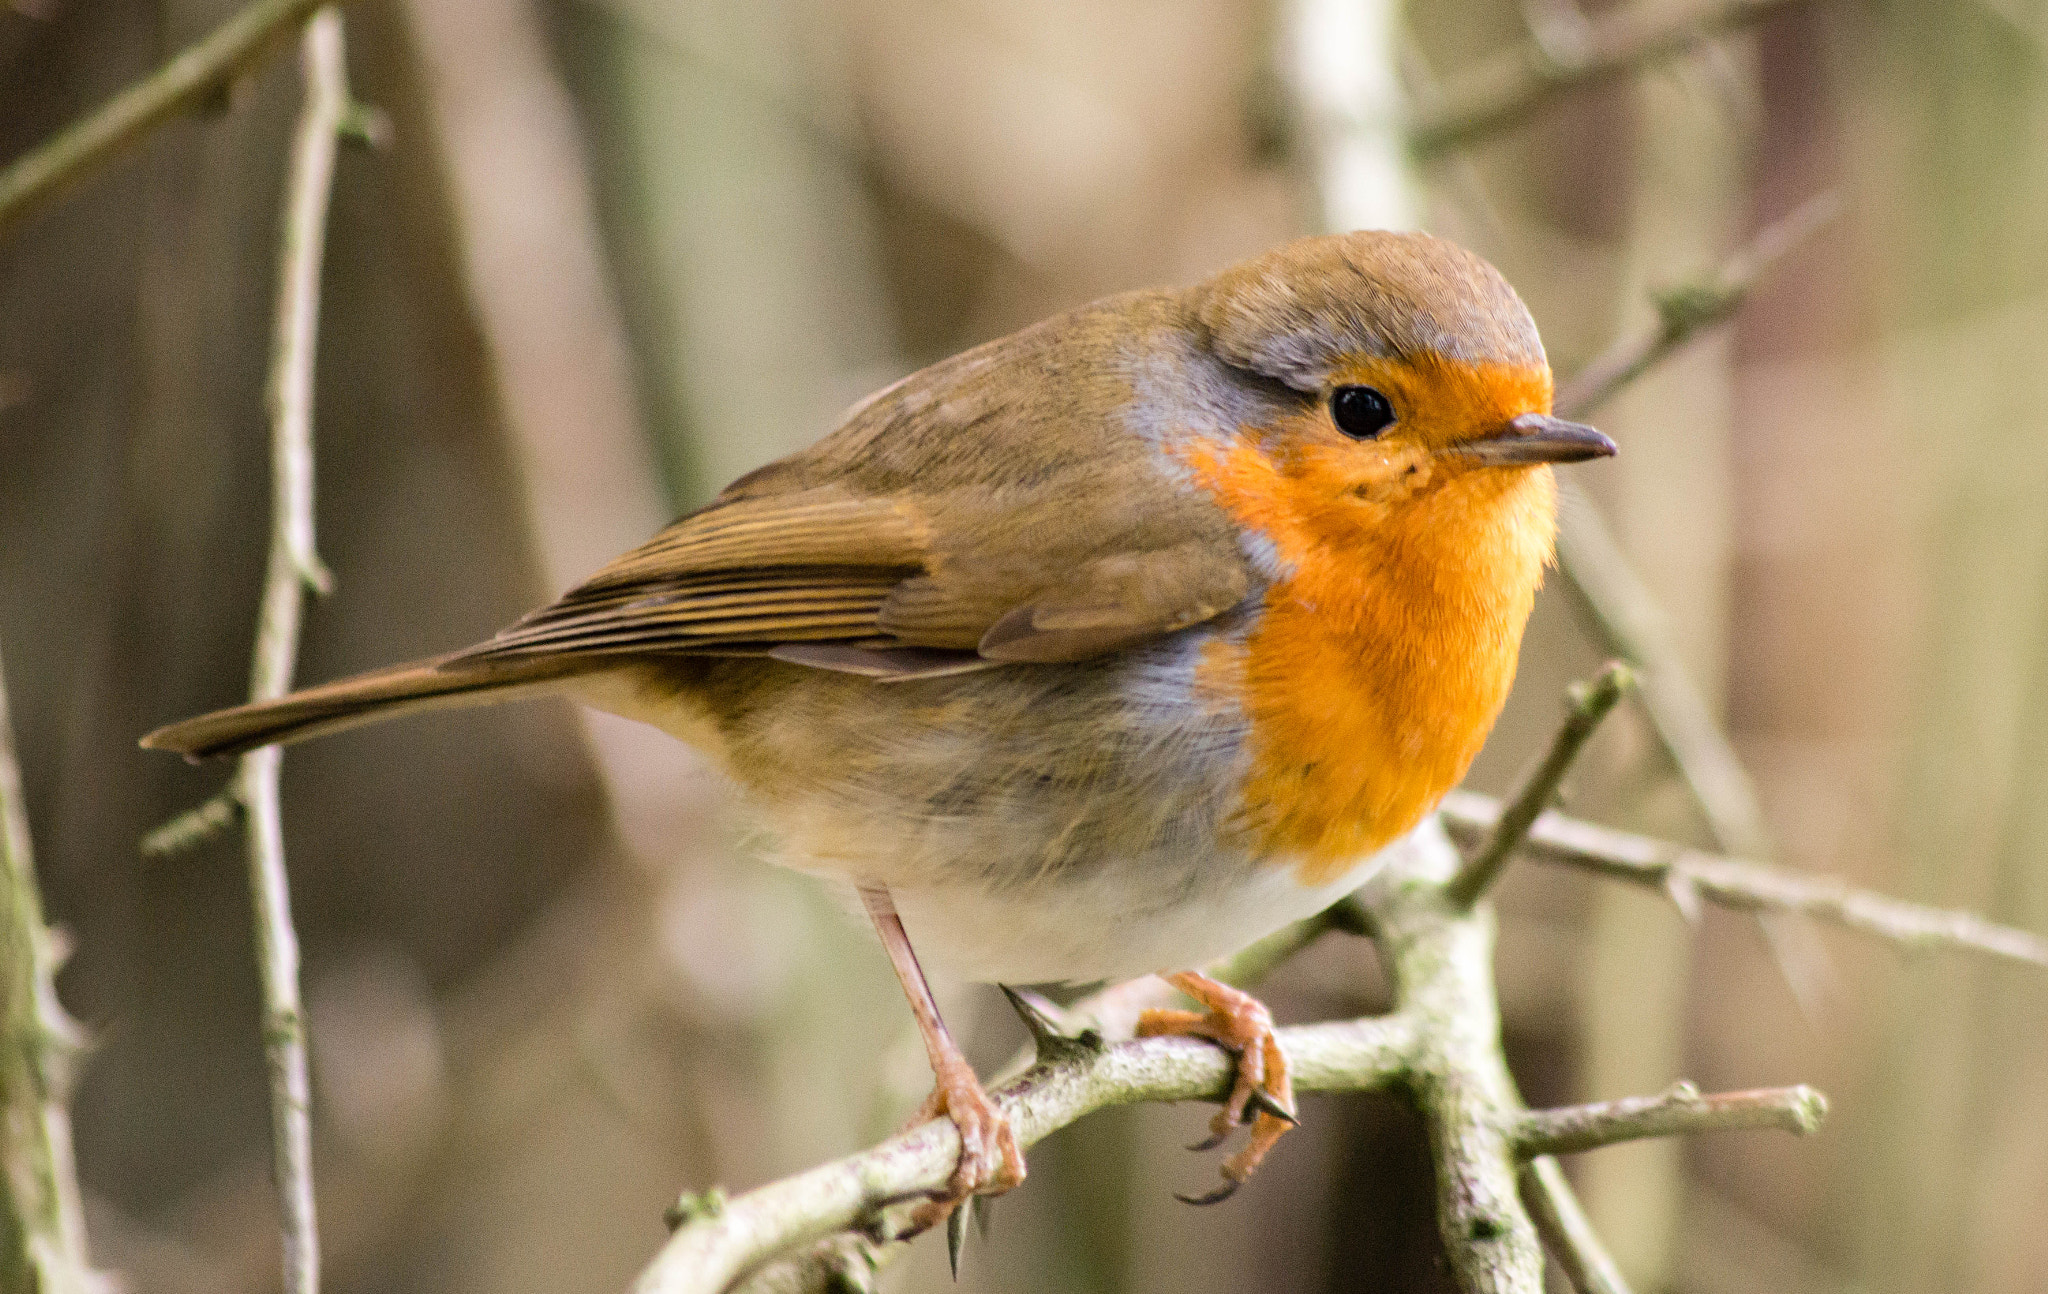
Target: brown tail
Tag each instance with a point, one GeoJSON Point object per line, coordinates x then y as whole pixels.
{"type": "Point", "coordinates": [436, 684]}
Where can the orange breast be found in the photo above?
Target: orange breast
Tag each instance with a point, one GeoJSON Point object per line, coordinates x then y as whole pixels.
{"type": "Point", "coordinates": [1384, 653]}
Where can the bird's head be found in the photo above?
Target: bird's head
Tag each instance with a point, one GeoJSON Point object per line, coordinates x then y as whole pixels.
{"type": "Point", "coordinates": [1413, 365]}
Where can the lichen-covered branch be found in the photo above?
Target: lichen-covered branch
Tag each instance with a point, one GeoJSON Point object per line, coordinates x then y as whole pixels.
{"type": "Point", "coordinates": [42, 1226]}
{"type": "Point", "coordinates": [720, 1240]}
{"type": "Point", "coordinates": [187, 83]}
{"type": "Point", "coordinates": [1501, 1197]}
{"type": "Point", "coordinates": [1506, 90]}
{"type": "Point", "coordinates": [1691, 876]}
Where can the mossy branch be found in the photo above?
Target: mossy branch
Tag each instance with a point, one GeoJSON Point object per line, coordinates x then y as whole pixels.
{"type": "Point", "coordinates": [1440, 1046]}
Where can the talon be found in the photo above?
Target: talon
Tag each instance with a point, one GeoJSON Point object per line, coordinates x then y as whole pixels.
{"type": "Point", "coordinates": [1263, 1088]}
{"type": "Point", "coordinates": [1216, 1196]}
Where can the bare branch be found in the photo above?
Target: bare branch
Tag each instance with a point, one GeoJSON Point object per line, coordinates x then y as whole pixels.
{"type": "Point", "coordinates": [1675, 1112]}
{"type": "Point", "coordinates": [185, 84]}
{"type": "Point", "coordinates": [716, 1246]}
{"type": "Point", "coordinates": [42, 1226]}
{"type": "Point", "coordinates": [1566, 1232]}
{"type": "Point", "coordinates": [1690, 875]}
{"type": "Point", "coordinates": [1586, 704]}
{"type": "Point", "coordinates": [1505, 91]}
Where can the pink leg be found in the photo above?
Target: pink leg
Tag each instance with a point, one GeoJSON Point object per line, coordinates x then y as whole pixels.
{"type": "Point", "coordinates": [990, 1162]}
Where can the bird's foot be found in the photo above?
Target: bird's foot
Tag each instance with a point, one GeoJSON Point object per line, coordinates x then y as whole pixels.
{"type": "Point", "coordinates": [990, 1162]}
{"type": "Point", "coordinates": [1238, 1022]}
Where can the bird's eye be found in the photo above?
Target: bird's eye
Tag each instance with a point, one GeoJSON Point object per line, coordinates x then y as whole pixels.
{"type": "Point", "coordinates": [1361, 412]}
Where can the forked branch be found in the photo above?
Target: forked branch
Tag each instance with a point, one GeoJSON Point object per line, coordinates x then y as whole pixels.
{"type": "Point", "coordinates": [188, 83]}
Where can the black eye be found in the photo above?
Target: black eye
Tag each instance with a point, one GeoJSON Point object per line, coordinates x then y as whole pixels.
{"type": "Point", "coordinates": [1360, 411]}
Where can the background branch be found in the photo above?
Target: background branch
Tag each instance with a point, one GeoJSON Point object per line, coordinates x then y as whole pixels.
{"type": "Point", "coordinates": [185, 84]}
{"type": "Point", "coordinates": [1566, 1231]}
{"type": "Point", "coordinates": [1689, 309]}
{"type": "Point", "coordinates": [293, 567]}
{"type": "Point", "coordinates": [1689, 876]}
{"type": "Point", "coordinates": [1505, 91]}
{"type": "Point", "coordinates": [1620, 606]}
{"type": "Point", "coordinates": [42, 1225]}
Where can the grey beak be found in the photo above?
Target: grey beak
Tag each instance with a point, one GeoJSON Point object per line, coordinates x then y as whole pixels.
{"type": "Point", "coordinates": [1538, 438]}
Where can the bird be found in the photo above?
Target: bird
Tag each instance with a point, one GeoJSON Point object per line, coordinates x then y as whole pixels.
{"type": "Point", "coordinates": [1101, 649]}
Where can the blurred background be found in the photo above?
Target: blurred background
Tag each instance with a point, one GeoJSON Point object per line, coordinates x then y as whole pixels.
{"type": "Point", "coordinates": [622, 250]}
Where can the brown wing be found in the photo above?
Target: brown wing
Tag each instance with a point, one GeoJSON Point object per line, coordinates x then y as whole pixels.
{"type": "Point", "coordinates": [972, 514]}
{"type": "Point", "coordinates": [1007, 505]}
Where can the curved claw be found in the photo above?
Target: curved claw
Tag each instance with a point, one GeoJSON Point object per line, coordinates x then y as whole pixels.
{"type": "Point", "coordinates": [1262, 1093]}
{"type": "Point", "coordinates": [1216, 1196]}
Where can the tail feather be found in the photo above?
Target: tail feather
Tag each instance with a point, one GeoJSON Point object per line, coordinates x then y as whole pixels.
{"type": "Point", "coordinates": [441, 683]}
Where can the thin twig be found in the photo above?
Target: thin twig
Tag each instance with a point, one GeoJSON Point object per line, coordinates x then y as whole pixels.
{"type": "Point", "coordinates": [1678, 1111]}
{"type": "Point", "coordinates": [293, 567]}
{"type": "Point", "coordinates": [185, 84]}
{"type": "Point", "coordinates": [1566, 1231]}
{"type": "Point", "coordinates": [1690, 876]}
{"type": "Point", "coordinates": [1686, 311]}
{"type": "Point", "coordinates": [1586, 704]}
{"type": "Point", "coordinates": [42, 1225]}
{"type": "Point", "coordinates": [1505, 91]}
{"type": "Point", "coordinates": [195, 827]}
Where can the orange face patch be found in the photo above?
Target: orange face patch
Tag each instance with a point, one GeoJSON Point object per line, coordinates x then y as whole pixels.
{"type": "Point", "coordinates": [1386, 648]}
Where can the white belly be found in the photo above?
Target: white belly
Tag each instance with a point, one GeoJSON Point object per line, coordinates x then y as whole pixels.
{"type": "Point", "coordinates": [1112, 924]}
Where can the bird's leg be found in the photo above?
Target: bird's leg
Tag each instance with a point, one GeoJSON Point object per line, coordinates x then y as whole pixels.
{"type": "Point", "coordinates": [1239, 1022]}
{"type": "Point", "coordinates": [990, 1162]}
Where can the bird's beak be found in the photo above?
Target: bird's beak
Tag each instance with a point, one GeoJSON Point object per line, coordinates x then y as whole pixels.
{"type": "Point", "coordinates": [1537, 438]}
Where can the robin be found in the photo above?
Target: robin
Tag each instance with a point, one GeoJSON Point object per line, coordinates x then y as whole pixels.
{"type": "Point", "coordinates": [1103, 648]}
